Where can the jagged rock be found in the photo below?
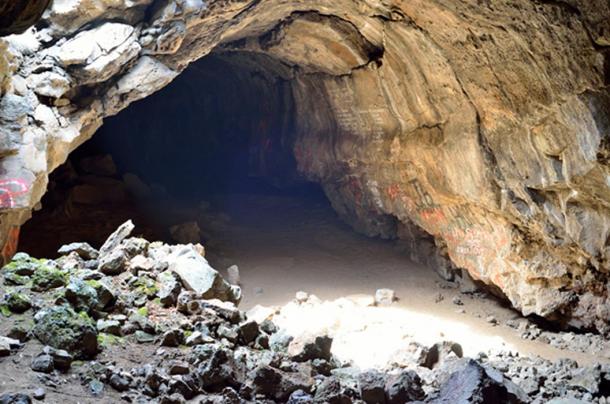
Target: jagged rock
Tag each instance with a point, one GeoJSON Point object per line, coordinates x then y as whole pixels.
{"type": "Point", "coordinates": [113, 263]}
{"type": "Point", "coordinates": [472, 384]}
{"type": "Point", "coordinates": [372, 386]}
{"type": "Point", "coordinates": [197, 275]}
{"type": "Point", "coordinates": [62, 360]}
{"type": "Point", "coordinates": [384, 297]}
{"type": "Point", "coordinates": [279, 385]}
{"type": "Point", "coordinates": [248, 331]}
{"type": "Point", "coordinates": [233, 275]}
{"type": "Point", "coordinates": [43, 363]}
{"type": "Point", "coordinates": [18, 302]}
{"type": "Point", "coordinates": [81, 295]}
{"type": "Point", "coordinates": [84, 250]}
{"type": "Point", "coordinates": [62, 328]}
{"type": "Point", "coordinates": [404, 387]}
{"type": "Point", "coordinates": [330, 391]}
{"type": "Point", "coordinates": [116, 238]}
{"type": "Point", "coordinates": [109, 326]}
{"type": "Point", "coordinates": [306, 347]}
{"type": "Point", "coordinates": [39, 394]}
{"type": "Point", "coordinates": [169, 288]}
{"type": "Point", "coordinates": [15, 398]}
{"type": "Point", "coordinates": [119, 382]}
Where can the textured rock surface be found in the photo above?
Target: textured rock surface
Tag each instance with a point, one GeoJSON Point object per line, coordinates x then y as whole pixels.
{"type": "Point", "coordinates": [484, 124]}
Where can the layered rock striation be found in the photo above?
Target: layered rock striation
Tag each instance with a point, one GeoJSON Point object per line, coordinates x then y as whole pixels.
{"type": "Point", "coordinates": [482, 124]}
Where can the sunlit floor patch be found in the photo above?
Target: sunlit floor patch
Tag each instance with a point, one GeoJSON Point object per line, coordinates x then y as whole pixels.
{"type": "Point", "coordinates": [375, 337]}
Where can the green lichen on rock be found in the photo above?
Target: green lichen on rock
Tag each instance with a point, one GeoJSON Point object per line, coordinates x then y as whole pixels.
{"type": "Point", "coordinates": [81, 295]}
{"type": "Point", "coordinates": [18, 302]}
{"type": "Point", "coordinates": [146, 286]}
{"type": "Point", "coordinates": [47, 277]}
{"type": "Point", "coordinates": [63, 328]}
{"type": "Point", "coordinates": [143, 311]}
{"type": "Point", "coordinates": [105, 340]}
{"type": "Point", "coordinates": [41, 272]}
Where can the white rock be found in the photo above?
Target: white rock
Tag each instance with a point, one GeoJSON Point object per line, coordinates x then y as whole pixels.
{"type": "Point", "coordinates": [49, 84]}
{"type": "Point", "coordinates": [197, 275]}
{"type": "Point", "coordinates": [384, 297]}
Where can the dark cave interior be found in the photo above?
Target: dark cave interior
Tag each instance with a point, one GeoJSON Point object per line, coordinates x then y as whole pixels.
{"type": "Point", "coordinates": [222, 129]}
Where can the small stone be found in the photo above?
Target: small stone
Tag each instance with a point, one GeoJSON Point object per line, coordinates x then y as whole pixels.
{"type": "Point", "coordinates": [62, 360]}
{"type": "Point", "coordinates": [172, 338]}
{"type": "Point", "coordinates": [384, 297]}
{"type": "Point", "coordinates": [248, 331]}
{"type": "Point", "coordinates": [113, 263]}
{"type": "Point", "coordinates": [439, 298]}
{"type": "Point", "coordinates": [457, 301]}
{"type": "Point", "coordinates": [491, 319]}
{"type": "Point", "coordinates": [143, 337]}
{"type": "Point", "coordinates": [306, 347]}
{"type": "Point", "coordinates": [43, 363]}
{"type": "Point", "coordinates": [230, 333]}
{"type": "Point", "coordinates": [301, 296]}
{"type": "Point", "coordinates": [15, 398]}
{"type": "Point", "coordinates": [84, 250]}
{"type": "Point", "coordinates": [39, 393]}
{"type": "Point", "coordinates": [372, 386]}
{"type": "Point", "coordinates": [116, 238]}
{"type": "Point", "coordinates": [178, 368]}
{"type": "Point", "coordinates": [96, 387]}
{"type": "Point", "coordinates": [119, 383]}
{"type": "Point", "coordinates": [109, 326]}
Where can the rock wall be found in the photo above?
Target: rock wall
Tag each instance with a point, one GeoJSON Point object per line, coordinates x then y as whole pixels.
{"type": "Point", "coordinates": [483, 123]}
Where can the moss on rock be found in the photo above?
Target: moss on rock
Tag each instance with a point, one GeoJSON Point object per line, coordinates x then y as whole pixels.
{"type": "Point", "coordinates": [63, 328]}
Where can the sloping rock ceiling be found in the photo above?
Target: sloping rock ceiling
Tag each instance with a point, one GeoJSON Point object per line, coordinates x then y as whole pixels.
{"type": "Point", "coordinates": [484, 123]}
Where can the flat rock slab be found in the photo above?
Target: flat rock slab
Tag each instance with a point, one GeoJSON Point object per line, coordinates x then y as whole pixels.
{"type": "Point", "coordinates": [197, 275]}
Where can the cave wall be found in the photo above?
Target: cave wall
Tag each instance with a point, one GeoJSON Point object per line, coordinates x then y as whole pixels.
{"type": "Point", "coordinates": [484, 123]}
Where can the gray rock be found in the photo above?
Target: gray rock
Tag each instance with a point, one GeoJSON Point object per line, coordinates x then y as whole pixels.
{"type": "Point", "coordinates": [470, 384]}
{"type": "Point", "coordinates": [384, 297]}
{"type": "Point", "coordinates": [404, 387]}
{"type": "Point", "coordinates": [371, 384]}
{"type": "Point", "coordinates": [43, 363]}
{"type": "Point", "coordinates": [119, 382]}
{"type": "Point", "coordinates": [15, 398]}
{"type": "Point", "coordinates": [109, 326]}
{"type": "Point", "coordinates": [62, 360]}
{"type": "Point", "coordinates": [330, 391]}
{"type": "Point", "coordinates": [248, 331]}
{"type": "Point", "coordinates": [116, 238]}
{"type": "Point", "coordinates": [18, 302]}
{"type": "Point", "coordinates": [62, 328]}
{"type": "Point", "coordinates": [172, 338]}
{"type": "Point", "coordinates": [39, 394]}
{"type": "Point", "coordinates": [81, 295]}
{"type": "Point", "coordinates": [306, 347]}
{"type": "Point", "coordinates": [198, 276]}
{"type": "Point", "coordinates": [113, 263]}
{"type": "Point", "coordinates": [84, 250]}
{"type": "Point", "coordinates": [169, 288]}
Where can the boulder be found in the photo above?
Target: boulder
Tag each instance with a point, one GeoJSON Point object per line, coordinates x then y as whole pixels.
{"type": "Point", "coordinates": [308, 346]}
{"type": "Point", "coordinates": [117, 237]}
{"type": "Point", "coordinates": [84, 250]}
{"type": "Point", "coordinates": [198, 276]}
{"type": "Point", "coordinates": [63, 328]}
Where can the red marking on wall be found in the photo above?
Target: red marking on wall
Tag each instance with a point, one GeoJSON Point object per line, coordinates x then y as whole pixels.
{"type": "Point", "coordinates": [393, 191]}
{"type": "Point", "coordinates": [9, 189]}
{"type": "Point", "coordinates": [10, 247]}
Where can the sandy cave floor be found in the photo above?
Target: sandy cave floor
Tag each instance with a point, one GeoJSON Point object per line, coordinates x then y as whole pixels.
{"type": "Point", "coordinates": [283, 245]}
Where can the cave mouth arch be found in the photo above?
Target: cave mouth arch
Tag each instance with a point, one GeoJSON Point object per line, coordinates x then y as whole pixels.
{"type": "Point", "coordinates": [225, 131]}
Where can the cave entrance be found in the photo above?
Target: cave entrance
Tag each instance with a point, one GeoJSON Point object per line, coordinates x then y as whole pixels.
{"type": "Point", "coordinates": [210, 158]}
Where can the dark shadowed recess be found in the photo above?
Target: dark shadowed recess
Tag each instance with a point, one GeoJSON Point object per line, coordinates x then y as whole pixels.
{"type": "Point", "coordinates": [223, 129]}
